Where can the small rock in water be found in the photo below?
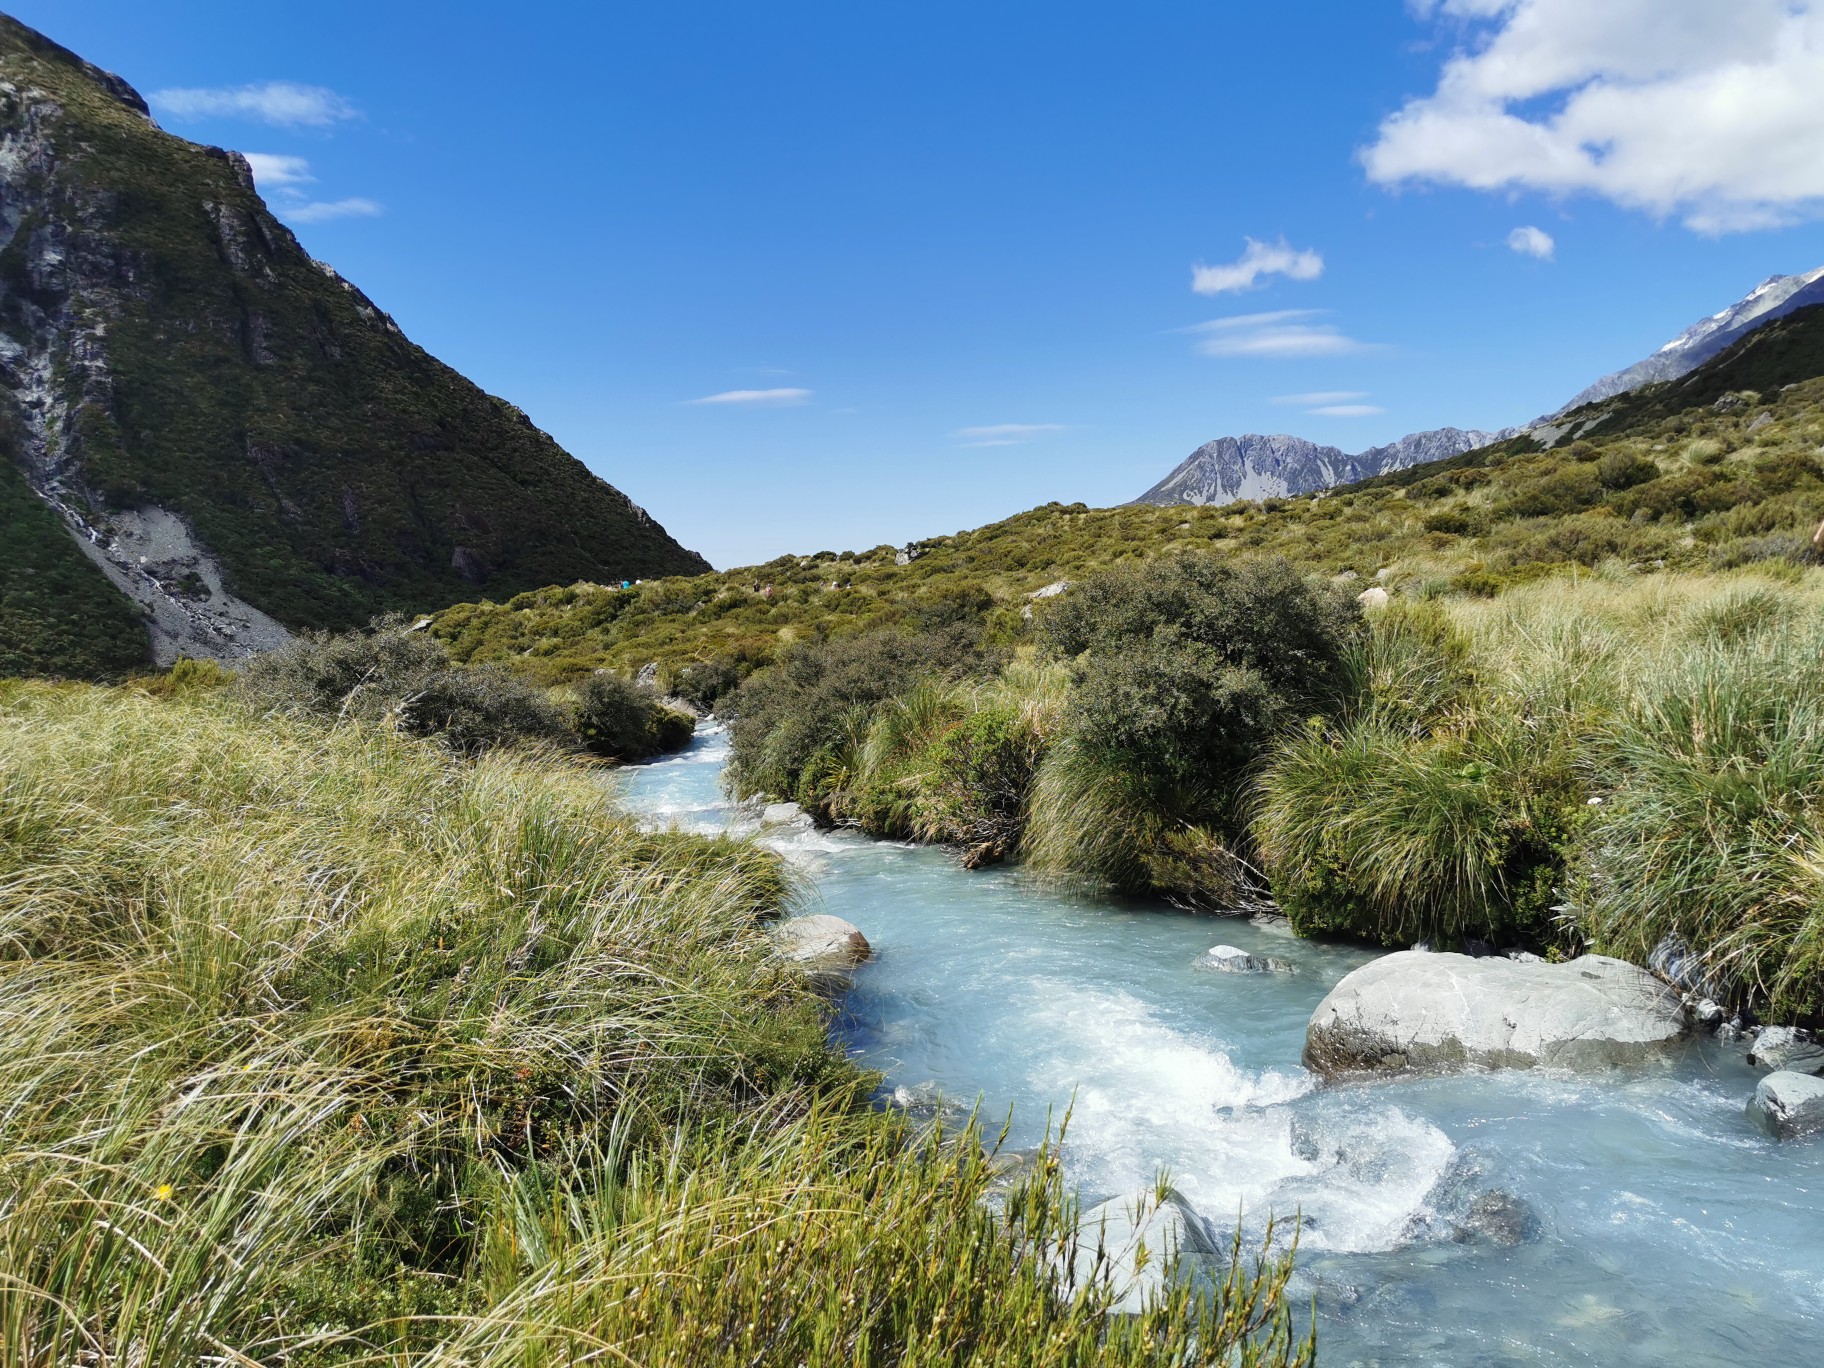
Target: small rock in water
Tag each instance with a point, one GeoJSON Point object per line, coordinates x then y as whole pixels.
{"type": "Point", "coordinates": [827, 948]}
{"type": "Point", "coordinates": [1523, 957]}
{"type": "Point", "coordinates": [1500, 1218]}
{"type": "Point", "coordinates": [1272, 921]}
{"type": "Point", "coordinates": [1230, 959]}
{"type": "Point", "coordinates": [926, 1102]}
{"type": "Point", "coordinates": [1786, 1048]}
{"type": "Point", "coordinates": [783, 814]}
{"type": "Point", "coordinates": [1788, 1105]}
{"type": "Point", "coordinates": [1731, 1030]}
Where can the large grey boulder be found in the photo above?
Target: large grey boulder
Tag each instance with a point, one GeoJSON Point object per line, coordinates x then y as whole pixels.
{"type": "Point", "coordinates": [1136, 1236]}
{"type": "Point", "coordinates": [825, 947]}
{"type": "Point", "coordinates": [1430, 1012]}
{"type": "Point", "coordinates": [1788, 1104]}
{"type": "Point", "coordinates": [1787, 1049]}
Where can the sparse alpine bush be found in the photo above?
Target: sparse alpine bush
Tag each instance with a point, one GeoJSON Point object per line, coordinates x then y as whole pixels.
{"type": "Point", "coordinates": [403, 678]}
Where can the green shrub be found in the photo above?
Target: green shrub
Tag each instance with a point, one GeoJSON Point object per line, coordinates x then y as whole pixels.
{"type": "Point", "coordinates": [404, 678]}
{"type": "Point", "coordinates": [621, 720]}
{"type": "Point", "coordinates": [1188, 665]}
{"type": "Point", "coordinates": [704, 683]}
{"type": "Point", "coordinates": [795, 727]}
{"type": "Point", "coordinates": [1623, 469]}
{"type": "Point", "coordinates": [981, 771]}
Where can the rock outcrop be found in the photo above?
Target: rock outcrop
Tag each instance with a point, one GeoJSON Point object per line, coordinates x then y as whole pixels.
{"type": "Point", "coordinates": [1232, 959]}
{"type": "Point", "coordinates": [1426, 1012]}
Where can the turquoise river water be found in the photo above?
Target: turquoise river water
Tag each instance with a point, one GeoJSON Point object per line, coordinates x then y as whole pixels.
{"type": "Point", "coordinates": [1667, 1229]}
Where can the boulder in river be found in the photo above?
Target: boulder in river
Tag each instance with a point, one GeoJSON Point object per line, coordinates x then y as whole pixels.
{"type": "Point", "coordinates": [1431, 1012]}
{"type": "Point", "coordinates": [1231, 959]}
{"type": "Point", "coordinates": [1786, 1048]}
{"type": "Point", "coordinates": [784, 814]}
{"type": "Point", "coordinates": [1788, 1104]}
{"type": "Point", "coordinates": [825, 947]}
{"type": "Point", "coordinates": [1137, 1235]}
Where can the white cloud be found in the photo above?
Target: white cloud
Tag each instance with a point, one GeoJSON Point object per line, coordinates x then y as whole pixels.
{"type": "Point", "coordinates": [1004, 434]}
{"type": "Point", "coordinates": [1259, 259]}
{"type": "Point", "coordinates": [1279, 334]}
{"type": "Point", "coordinates": [756, 398]}
{"type": "Point", "coordinates": [1533, 242]}
{"type": "Point", "coordinates": [320, 211]}
{"type": "Point", "coordinates": [273, 171]}
{"type": "Point", "coordinates": [1696, 108]}
{"type": "Point", "coordinates": [285, 103]}
{"type": "Point", "coordinates": [1320, 397]}
{"type": "Point", "coordinates": [1347, 410]}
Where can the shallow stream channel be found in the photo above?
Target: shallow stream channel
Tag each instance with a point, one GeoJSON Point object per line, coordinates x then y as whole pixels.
{"type": "Point", "coordinates": [1641, 1218]}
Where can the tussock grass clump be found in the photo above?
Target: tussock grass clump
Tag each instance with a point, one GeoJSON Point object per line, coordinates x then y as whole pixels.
{"type": "Point", "coordinates": [1713, 830]}
{"type": "Point", "coordinates": [321, 1045]}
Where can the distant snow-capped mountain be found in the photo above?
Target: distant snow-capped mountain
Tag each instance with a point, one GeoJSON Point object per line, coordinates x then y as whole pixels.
{"type": "Point", "coordinates": [1773, 298]}
{"type": "Point", "coordinates": [1263, 467]}
{"type": "Point", "coordinates": [1257, 467]}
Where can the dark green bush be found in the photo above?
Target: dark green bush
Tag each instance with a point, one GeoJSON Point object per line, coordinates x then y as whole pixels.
{"type": "Point", "coordinates": [704, 683]}
{"type": "Point", "coordinates": [404, 678]}
{"type": "Point", "coordinates": [1623, 470]}
{"type": "Point", "coordinates": [786, 721]}
{"type": "Point", "coordinates": [1188, 666]}
{"type": "Point", "coordinates": [621, 720]}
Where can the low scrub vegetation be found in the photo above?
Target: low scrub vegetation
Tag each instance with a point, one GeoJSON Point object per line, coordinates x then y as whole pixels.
{"type": "Point", "coordinates": [400, 676]}
{"type": "Point", "coordinates": [1569, 764]}
{"type": "Point", "coordinates": [325, 1045]}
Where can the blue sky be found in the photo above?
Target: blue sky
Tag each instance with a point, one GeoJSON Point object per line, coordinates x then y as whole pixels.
{"type": "Point", "coordinates": [943, 255]}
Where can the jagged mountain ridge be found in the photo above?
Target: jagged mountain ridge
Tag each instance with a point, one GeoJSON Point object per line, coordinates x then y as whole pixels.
{"type": "Point", "coordinates": [1773, 298]}
{"type": "Point", "coordinates": [1256, 466]}
{"type": "Point", "coordinates": [237, 440]}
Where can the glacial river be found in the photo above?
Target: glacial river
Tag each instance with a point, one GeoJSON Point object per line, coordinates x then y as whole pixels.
{"type": "Point", "coordinates": [1665, 1229]}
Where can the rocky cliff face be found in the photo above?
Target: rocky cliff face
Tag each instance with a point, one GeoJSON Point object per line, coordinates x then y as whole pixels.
{"type": "Point", "coordinates": [234, 437]}
{"type": "Point", "coordinates": [1257, 467]}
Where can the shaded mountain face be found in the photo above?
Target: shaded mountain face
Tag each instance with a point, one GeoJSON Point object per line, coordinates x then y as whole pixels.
{"type": "Point", "coordinates": [1257, 467]}
{"type": "Point", "coordinates": [1772, 299]}
{"type": "Point", "coordinates": [209, 435]}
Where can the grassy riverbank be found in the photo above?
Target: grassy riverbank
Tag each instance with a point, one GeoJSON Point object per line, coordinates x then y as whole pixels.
{"type": "Point", "coordinates": [1596, 762]}
{"type": "Point", "coordinates": [321, 1044]}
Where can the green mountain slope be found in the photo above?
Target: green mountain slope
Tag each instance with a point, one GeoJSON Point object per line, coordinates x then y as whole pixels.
{"type": "Point", "coordinates": [1718, 469]}
{"type": "Point", "coordinates": [168, 345]}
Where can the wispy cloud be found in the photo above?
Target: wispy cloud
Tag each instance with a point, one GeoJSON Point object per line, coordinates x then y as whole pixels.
{"type": "Point", "coordinates": [274, 171]}
{"type": "Point", "coordinates": [1347, 410]}
{"type": "Point", "coordinates": [1320, 397]}
{"type": "Point", "coordinates": [1004, 434]}
{"type": "Point", "coordinates": [1282, 333]}
{"type": "Point", "coordinates": [285, 103]}
{"type": "Point", "coordinates": [321, 211]}
{"type": "Point", "coordinates": [756, 398]}
{"type": "Point", "coordinates": [1533, 242]}
{"type": "Point", "coordinates": [1259, 259]}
